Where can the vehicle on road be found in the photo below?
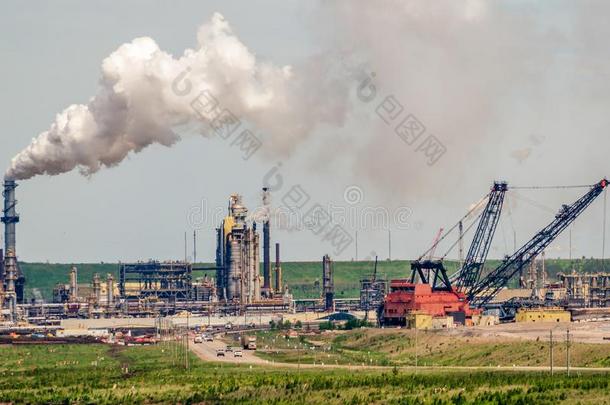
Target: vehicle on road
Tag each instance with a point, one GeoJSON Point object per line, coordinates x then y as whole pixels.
{"type": "Point", "coordinates": [198, 339]}
{"type": "Point", "coordinates": [237, 353]}
{"type": "Point", "coordinates": [220, 353]}
{"type": "Point", "coordinates": [228, 325]}
{"type": "Point", "coordinates": [228, 349]}
{"type": "Point", "coordinates": [208, 337]}
{"type": "Point", "coordinates": [248, 342]}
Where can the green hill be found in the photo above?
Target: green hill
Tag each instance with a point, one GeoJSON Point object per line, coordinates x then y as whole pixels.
{"type": "Point", "coordinates": [304, 279]}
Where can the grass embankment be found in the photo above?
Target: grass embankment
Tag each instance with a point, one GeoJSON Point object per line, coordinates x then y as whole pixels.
{"type": "Point", "coordinates": [397, 348]}
{"type": "Point", "coordinates": [107, 375]}
{"type": "Point", "coordinates": [303, 278]}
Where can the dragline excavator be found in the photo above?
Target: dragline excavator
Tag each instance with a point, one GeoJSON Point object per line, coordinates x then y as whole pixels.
{"type": "Point", "coordinates": [430, 290]}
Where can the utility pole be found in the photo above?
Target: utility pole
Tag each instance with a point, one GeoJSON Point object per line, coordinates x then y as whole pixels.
{"type": "Point", "coordinates": [568, 351]}
{"type": "Point", "coordinates": [185, 253]}
{"type": "Point", "coordinates": [416, 345]}
{"type": "Point", "coordinates": [186, 352]}
{"type": "Point", "coordinates": [194, 246]}
{"type": "Point", "coordinates": [551, 344]}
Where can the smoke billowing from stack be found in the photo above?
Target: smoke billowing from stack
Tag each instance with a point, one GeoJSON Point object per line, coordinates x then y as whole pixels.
{"type": "Point", "coordinates": [145, 93]}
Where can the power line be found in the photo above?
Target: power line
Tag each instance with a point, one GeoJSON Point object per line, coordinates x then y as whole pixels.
{"type": "Point", "coordinates": [473, 209]}
{"type": "Point", "coordinates": [548, 187]}
{"type": "Point", "coordinates": [532, 202]}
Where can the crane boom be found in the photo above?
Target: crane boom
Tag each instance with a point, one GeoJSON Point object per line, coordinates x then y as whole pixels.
{"type": "Point", "coordinates": [487, 288]}
{"type": "Point", "coordinates": [481, 242]}
{"type": "Point", "coordinates": [435, 243]}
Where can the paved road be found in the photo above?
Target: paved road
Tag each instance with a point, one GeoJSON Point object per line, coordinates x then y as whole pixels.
{"type": "Point", "coordinates": [207, 351]}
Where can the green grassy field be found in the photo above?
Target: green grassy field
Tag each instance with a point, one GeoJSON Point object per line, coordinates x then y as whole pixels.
{"type": "Point", "coordinates": [301, 277]}
{"type": "Point", "coordinates": [147, 375]}
{"type": "Point", "coordinates": [395, 347]}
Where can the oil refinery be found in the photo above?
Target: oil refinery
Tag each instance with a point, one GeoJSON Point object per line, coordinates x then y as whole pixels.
{"type": "Point", "coordinates": [235, 285]}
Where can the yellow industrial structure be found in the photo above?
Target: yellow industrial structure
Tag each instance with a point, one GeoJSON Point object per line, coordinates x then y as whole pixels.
{"type": "Point", "coordinates": [419, 321]}
{"type": "Point", "coordinates": [543, 315]}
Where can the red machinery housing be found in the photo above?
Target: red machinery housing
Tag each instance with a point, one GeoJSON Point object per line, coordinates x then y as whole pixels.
{"type": "Point", "coordinates": [406, 297]}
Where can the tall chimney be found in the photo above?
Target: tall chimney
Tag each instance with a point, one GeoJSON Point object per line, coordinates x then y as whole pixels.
{"type": "Point", "coordinates": [278, 270]}
{"type": "Point", "coordinates": [328, 287]}
{"type": "Point", "coordinates": [74, 284]}
{"type": "Point", "coordinates": [10, 217]}
{"type": "Point", "coordinates": [266, 244]}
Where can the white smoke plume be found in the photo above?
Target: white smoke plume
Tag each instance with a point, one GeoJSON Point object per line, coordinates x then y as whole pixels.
{"type": "Point", "coordinates": [482, 77]}
{"type": "Point", "coordinates": [138, 105]}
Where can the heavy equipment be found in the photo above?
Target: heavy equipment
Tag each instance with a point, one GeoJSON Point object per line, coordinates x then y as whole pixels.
{"type": "Point", "coordinates": [430, 290]}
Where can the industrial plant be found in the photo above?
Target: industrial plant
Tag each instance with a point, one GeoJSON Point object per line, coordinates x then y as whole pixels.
{"type": "Point", "coordinates": [235, 284]}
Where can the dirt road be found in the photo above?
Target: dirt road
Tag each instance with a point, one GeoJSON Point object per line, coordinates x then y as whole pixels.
{"type": "Point", "coordinates": [582, 332]}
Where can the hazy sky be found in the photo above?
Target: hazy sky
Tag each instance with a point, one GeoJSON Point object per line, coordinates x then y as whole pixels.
{"type": "Point", "coordinates": [513, 91]}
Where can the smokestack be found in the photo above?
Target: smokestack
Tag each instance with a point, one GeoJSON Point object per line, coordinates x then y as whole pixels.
{"type": "Point", "coordinates": [328, 288]}
{"type": "Point", "coordinates": [73, 284]}
{"type": "Point", "coordinates": [278, 270]}
{"type": "Point", "coordinates": [266, 244]}
{"type": "Point", "coordinates": [10, 217]}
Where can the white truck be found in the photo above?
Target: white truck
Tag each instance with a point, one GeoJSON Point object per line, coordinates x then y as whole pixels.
{"type": "Point", "coordinates": [248, 342]}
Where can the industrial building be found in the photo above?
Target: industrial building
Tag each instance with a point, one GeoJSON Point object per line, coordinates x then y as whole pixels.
{"type": "Point", "coordinates": [586, 289]}
{"type": "Point", "coordinates": [328, 283]}
{"type": "Point", "coordinates": [171, 281]}
{"type": "Point", "coordinates": [63, 293]}
{"type": "Point", "coordinates": [236, 285]}
{"type": "Point", "coordinates": [237, 256]}
{"type": "Point", "coordinates": [372, 293]}
{"type": "Point", "coordinates": [542, 315]}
